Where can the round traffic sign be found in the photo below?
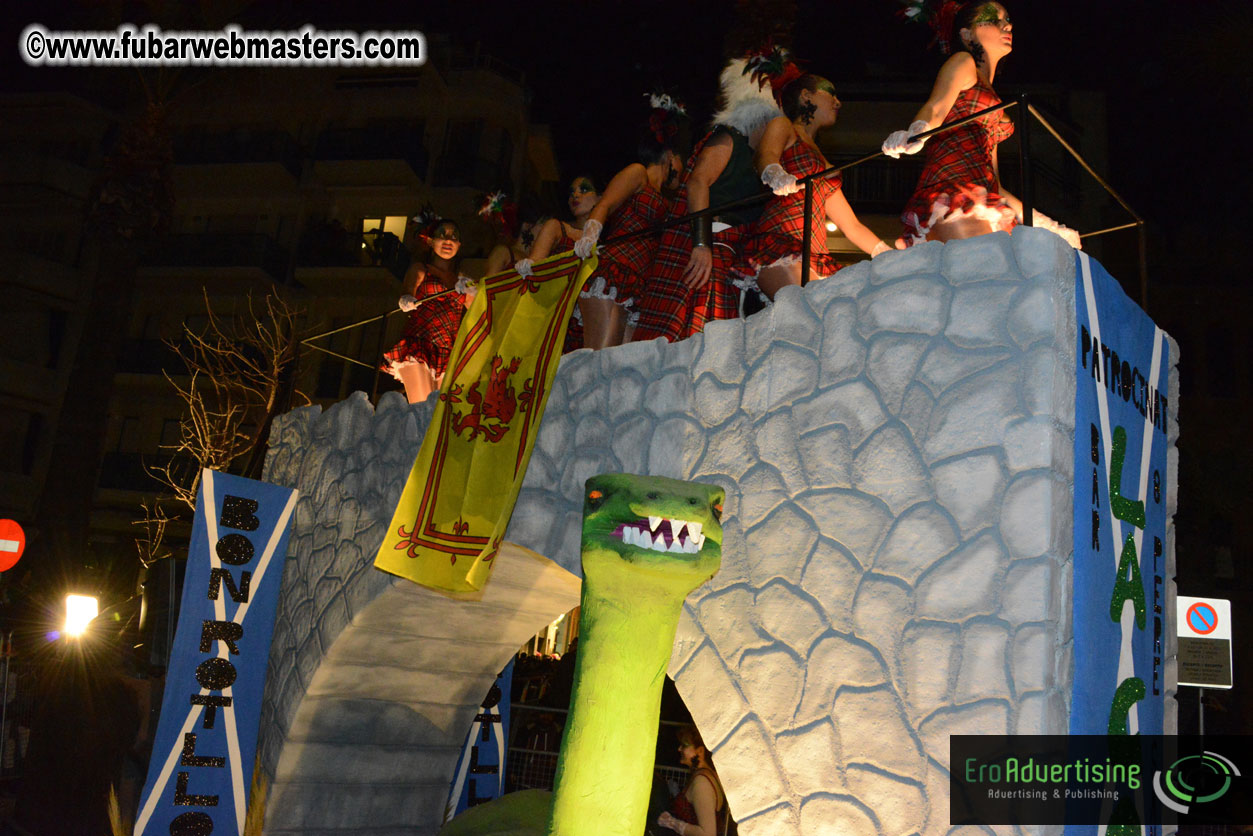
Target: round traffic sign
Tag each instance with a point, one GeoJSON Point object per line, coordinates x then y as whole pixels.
{"type": "Point", "coordinates": [12, 543]}
{"type": "Point", "coordinates": [1202, 618]}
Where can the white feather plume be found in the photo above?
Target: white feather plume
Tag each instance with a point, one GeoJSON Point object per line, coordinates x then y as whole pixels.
{"type": "Point", "coordinates": [746, 105]}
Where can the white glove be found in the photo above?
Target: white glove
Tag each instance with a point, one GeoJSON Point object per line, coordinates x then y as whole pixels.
{"type": "Point", "coordinates": [779, 181]}
{"type": "Point", "coordinates": [879, 249]}
{"type": "Point", "coordinates": [1043, 221]}
{"type": "Point", "coordinates": [407, 303]}
{"type": "Point", "coordinates": [898, 142]}
{"type": "Point", "coordinates": [523, 267]}
{"type": "Point", "coordinates": [586, 245]}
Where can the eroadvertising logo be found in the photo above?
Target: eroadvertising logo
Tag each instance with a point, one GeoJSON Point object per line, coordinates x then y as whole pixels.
{"type": "Point", "coordinates": [1194, 779]}
{"type": "Point", "coordinates": [1084, 781]}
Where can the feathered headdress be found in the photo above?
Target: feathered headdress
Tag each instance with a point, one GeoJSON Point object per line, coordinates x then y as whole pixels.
{"type": "Point", "coordinates": [426, 219]}
{"type": "Point", "coordinates": [663, 121]}
{"type": "Point", "coordinates": [746, 104]}
{"type": "Point", "coordinates": [772, 64]}
{"type": "Point", "coordinates": [937, 14]}
{"type": "Point", "coordinates": [496, 208]}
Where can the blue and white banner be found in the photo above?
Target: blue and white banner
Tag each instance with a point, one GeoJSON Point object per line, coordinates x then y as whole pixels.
{"type": "Point", "coordinates": [480, 772]}
{"type": "Point", "coordinates": [1121, 405]}
{"type": "Point", "coordinates": [202, 758]}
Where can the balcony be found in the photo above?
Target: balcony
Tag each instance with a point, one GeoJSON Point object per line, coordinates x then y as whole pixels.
{"type": "Point", "coordinates": [385, 155]}
{"type": "Point", "coordinates": [209, 163]}
{"type": "Point", "coordinates": [330, 258]}
{"type": "Point", "coordinates": [240, 253]}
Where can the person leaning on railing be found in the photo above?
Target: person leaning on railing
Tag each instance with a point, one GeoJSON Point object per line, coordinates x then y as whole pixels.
{"type": "Point", "coordinates": [960, 194]}
{"type": "Point", "coordinates": [421, 357]}
{"type": "Point", "coordinates": [700, 809]}
{"type": "Point", "coordinates": [558, 236]}
{"type": "Point", "coordinates": [631, 203]}
{"type": "Point", "coordinates": [788, 153]}
{"type": "Point", "coordinates": [689, 283]}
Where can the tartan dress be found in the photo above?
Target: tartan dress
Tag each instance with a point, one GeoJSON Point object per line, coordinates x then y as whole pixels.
{"type": "Point", "coordinates": [623, 265]}
{"type": "Point", "coordinates": [574, 328]}
{"type": "Point", "coordinates": [667, 307]}
{"type": "Point", "coordinates": [957, 178]}
{"type": "Point", "coordinates": [777, 235]}
{"type": "Point", "coordinates": [431, 329]}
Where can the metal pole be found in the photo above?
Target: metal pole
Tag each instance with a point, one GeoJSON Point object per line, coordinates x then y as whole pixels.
{"type": "Point", "coordinates": [1024, 162]}
{"type": "Point", "coordinates": [378, 361]}
{"type": "Point", "coordinates": [4, 707]}
{"type": "Point", "coordinates": [808, 234]}
{"type": "Point", "coordinates": [1200, 710]}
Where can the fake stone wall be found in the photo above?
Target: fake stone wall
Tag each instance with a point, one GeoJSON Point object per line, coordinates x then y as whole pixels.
{"type": "Point", "coordinates": [896, 447]}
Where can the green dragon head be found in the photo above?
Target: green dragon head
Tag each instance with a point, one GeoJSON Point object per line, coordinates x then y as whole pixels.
{"type": "Point", "coordinates": [650, 529]}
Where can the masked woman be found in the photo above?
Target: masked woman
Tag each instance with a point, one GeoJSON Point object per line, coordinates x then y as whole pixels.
{"type": "Point", "coordinates": [789, 152]}
{"type": "Point", "coordinates": [690, 282]}
{"type": "Point", "coordinates": [631, 203]}
{"type": "Point", "coordinates": [436, 297]}
{"type": "Point", "coordinates": [959, 194]}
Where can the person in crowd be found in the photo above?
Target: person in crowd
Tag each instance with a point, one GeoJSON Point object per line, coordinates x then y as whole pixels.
{"type": "Point", "coordinates": [558, 236]}
{"type": "Point", "coordinates": [788, 152]}
{"type": "Point", "coordinates": [959, 193]}
{"type": "Point", "coordinates": [502, 215]}
{"type": "Point", "coordinates": [701, 808]}
{"type": "Point", "coordinates": [435, 297]}
{"type": "Point", "coordinates": [690, 282]}
{"type": "Point", "coordinates": [630, 204]}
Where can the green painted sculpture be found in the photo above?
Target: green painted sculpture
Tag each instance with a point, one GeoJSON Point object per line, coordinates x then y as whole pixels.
{"type": "Point", "coordinates": [647, 542]}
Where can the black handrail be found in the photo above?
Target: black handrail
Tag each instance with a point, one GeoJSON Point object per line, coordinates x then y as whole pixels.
{"type": "Point", "coordinates": [1026, 198]}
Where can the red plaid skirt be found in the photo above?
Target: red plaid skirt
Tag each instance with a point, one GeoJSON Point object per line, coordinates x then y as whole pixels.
{"type": "Point", "coordinates": [778, 233]}
{"type": "Point", "coordinates": [957, 178]}
{"type": "Point", "coordinates": [667, 307]}
{"type": "Point", "coordinates": [623, 266]}
{"type": "Point", "coordinates": [430, 332]}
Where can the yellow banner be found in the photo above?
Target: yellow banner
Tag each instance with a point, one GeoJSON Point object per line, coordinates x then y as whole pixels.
{"type": "Point", "coordinates": [452, 515]}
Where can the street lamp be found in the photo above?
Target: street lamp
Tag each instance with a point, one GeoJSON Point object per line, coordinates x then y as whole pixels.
{"type": "Point", "coordinates": [79, 612]}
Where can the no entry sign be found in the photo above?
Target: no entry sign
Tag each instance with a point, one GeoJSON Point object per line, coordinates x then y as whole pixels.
{"type": "Point", "coordinates": [12, 544]}
{"type": "Point", "coordinates": [1204, 630]}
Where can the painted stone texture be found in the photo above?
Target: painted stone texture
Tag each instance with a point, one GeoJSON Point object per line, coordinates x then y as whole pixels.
{"type": "Point", "coordinates": [895, 447]}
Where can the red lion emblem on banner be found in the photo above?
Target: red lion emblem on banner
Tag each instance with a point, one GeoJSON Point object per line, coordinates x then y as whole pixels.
{"type": "Point", "coordinates": [497, 404]}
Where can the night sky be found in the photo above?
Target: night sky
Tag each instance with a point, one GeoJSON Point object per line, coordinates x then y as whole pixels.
{"type": "Point", "coordinates": [1178, 79]}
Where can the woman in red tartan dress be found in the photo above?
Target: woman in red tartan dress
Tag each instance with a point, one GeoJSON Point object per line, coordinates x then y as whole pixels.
{"type": "Point", "coordinates": [690, 282]}
{"type": "Point", "coordinates": [631, 203]}
{"type": "Point", "coordinates": [788, 153]}
{"type": "Point", "coordinates": [421, 357]}
{"type": "Point", "coordinates": [558, 236]}
{"type": "Point", "coordinates": [959, 194]}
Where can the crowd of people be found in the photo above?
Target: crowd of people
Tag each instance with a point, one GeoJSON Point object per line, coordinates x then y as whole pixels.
{"type": "Point", "coordinates": [654, 280]}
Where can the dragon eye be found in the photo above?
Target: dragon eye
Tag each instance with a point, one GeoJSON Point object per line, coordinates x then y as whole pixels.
{"type": "Point", "coordinates": [595, 497]}
{"type": "Point", "coordinates": [717, 509]}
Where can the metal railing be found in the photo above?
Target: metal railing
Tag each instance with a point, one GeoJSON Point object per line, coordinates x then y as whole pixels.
{"type": "Point", "coordinates": [1026, 196]}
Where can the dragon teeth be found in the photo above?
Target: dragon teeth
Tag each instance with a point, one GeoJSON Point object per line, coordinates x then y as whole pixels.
{"type": "Point", "coordinates": [694, 529]}
{"type": "Point", "coordinates": [654, 523]}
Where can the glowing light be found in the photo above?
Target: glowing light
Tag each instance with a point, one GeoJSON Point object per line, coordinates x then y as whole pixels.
{"type": "Point", "coordinates": [831, 227]}
{"type": "Point", "coordinates": [79, 612]}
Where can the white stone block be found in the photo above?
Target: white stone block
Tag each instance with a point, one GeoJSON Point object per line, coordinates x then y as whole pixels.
{"type": "Point", "coordinates": [1029, 514]}
{"type": "Point", "coordinates": [965, 583]}
{"type": "Point", "coordinates": [1032, 317]}
{"type": "Point", "coordinates": [873, 731]}
{"type": "Point", "coordinates": [889, 467]}
{"type": "Point", "coordinates": [853, 405]}
{"type": "Point", "coordinates": [727, 618]}
{"type": "Point", "coordinates": [843, 352]}
{"type": "Point", "coordinates": [824, 815]}
{"type": "Point", "coordinates": [671, 393]}
{"type": "Point", "coordinates": [811, 759]}
{"type": "Point", "coordinates": [722, 351]}
{"type": "Point", "coordinates": [715, 401]}
{"type": "Point", "coordinates": [794, 320]}
{"type": "Point", "coordinates": [831, 576]}
{"type": "Point", "coordinates": [674, 445]}
{"type": "Point", "coordinates": [974, 413]}
{"type": "Point", "coordinates": [1027, 592]}
{"type": "Point", "coordinates": [730, 450]}
{"type": "Point", "coordinates": [911, 306]}
{"type": "Point", "coordinates": [776, 438]}
{"type": "Point", "coordinates": [835, 662]}
{"type": "Point", "coordinates": [984, 665]}
{"type": "Point", "coordinates": [716, 703]}
{"type": "Point", "coordinates": [979, 259]}
{"type": "Point", "coordinates": [927, 664]}
{"type": "Point", "coordinates": [787, 614]}
{"type": "Point", "coordinates": [985, 717]}
{"type": "Point", "coordinates": [757, 780]}
{"type": "Point", "coordinates": [772, 679]}
{"type": "Point", "coordinates": [779, 545]}
{"type": "Point", "coordinates": [970, 489]}
{"type": "Point", "coordinates": [762, 490]}
{"type": "Point", "coordinates": [945, 364]}
{"type": "Point", "coordinates": [919, 259]}
{"type": "Point", "coordinates": [1032, 659]}
{"type": "Point", "coordinates": [827, 457]}
{"type": "Point", "coordinates": [786, 375]}
{"type": "Point", "coordinates": [854, 520]}
{"type": "Point", "coordinates": [917, 540]}
{"type": "Point", "coordinates": [899, 805]}
{"type": "Point", "coordinates": [891, 365]}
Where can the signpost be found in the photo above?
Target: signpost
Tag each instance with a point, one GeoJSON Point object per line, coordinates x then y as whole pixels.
{"type": "Point", "coordinates": [1204, 631]}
